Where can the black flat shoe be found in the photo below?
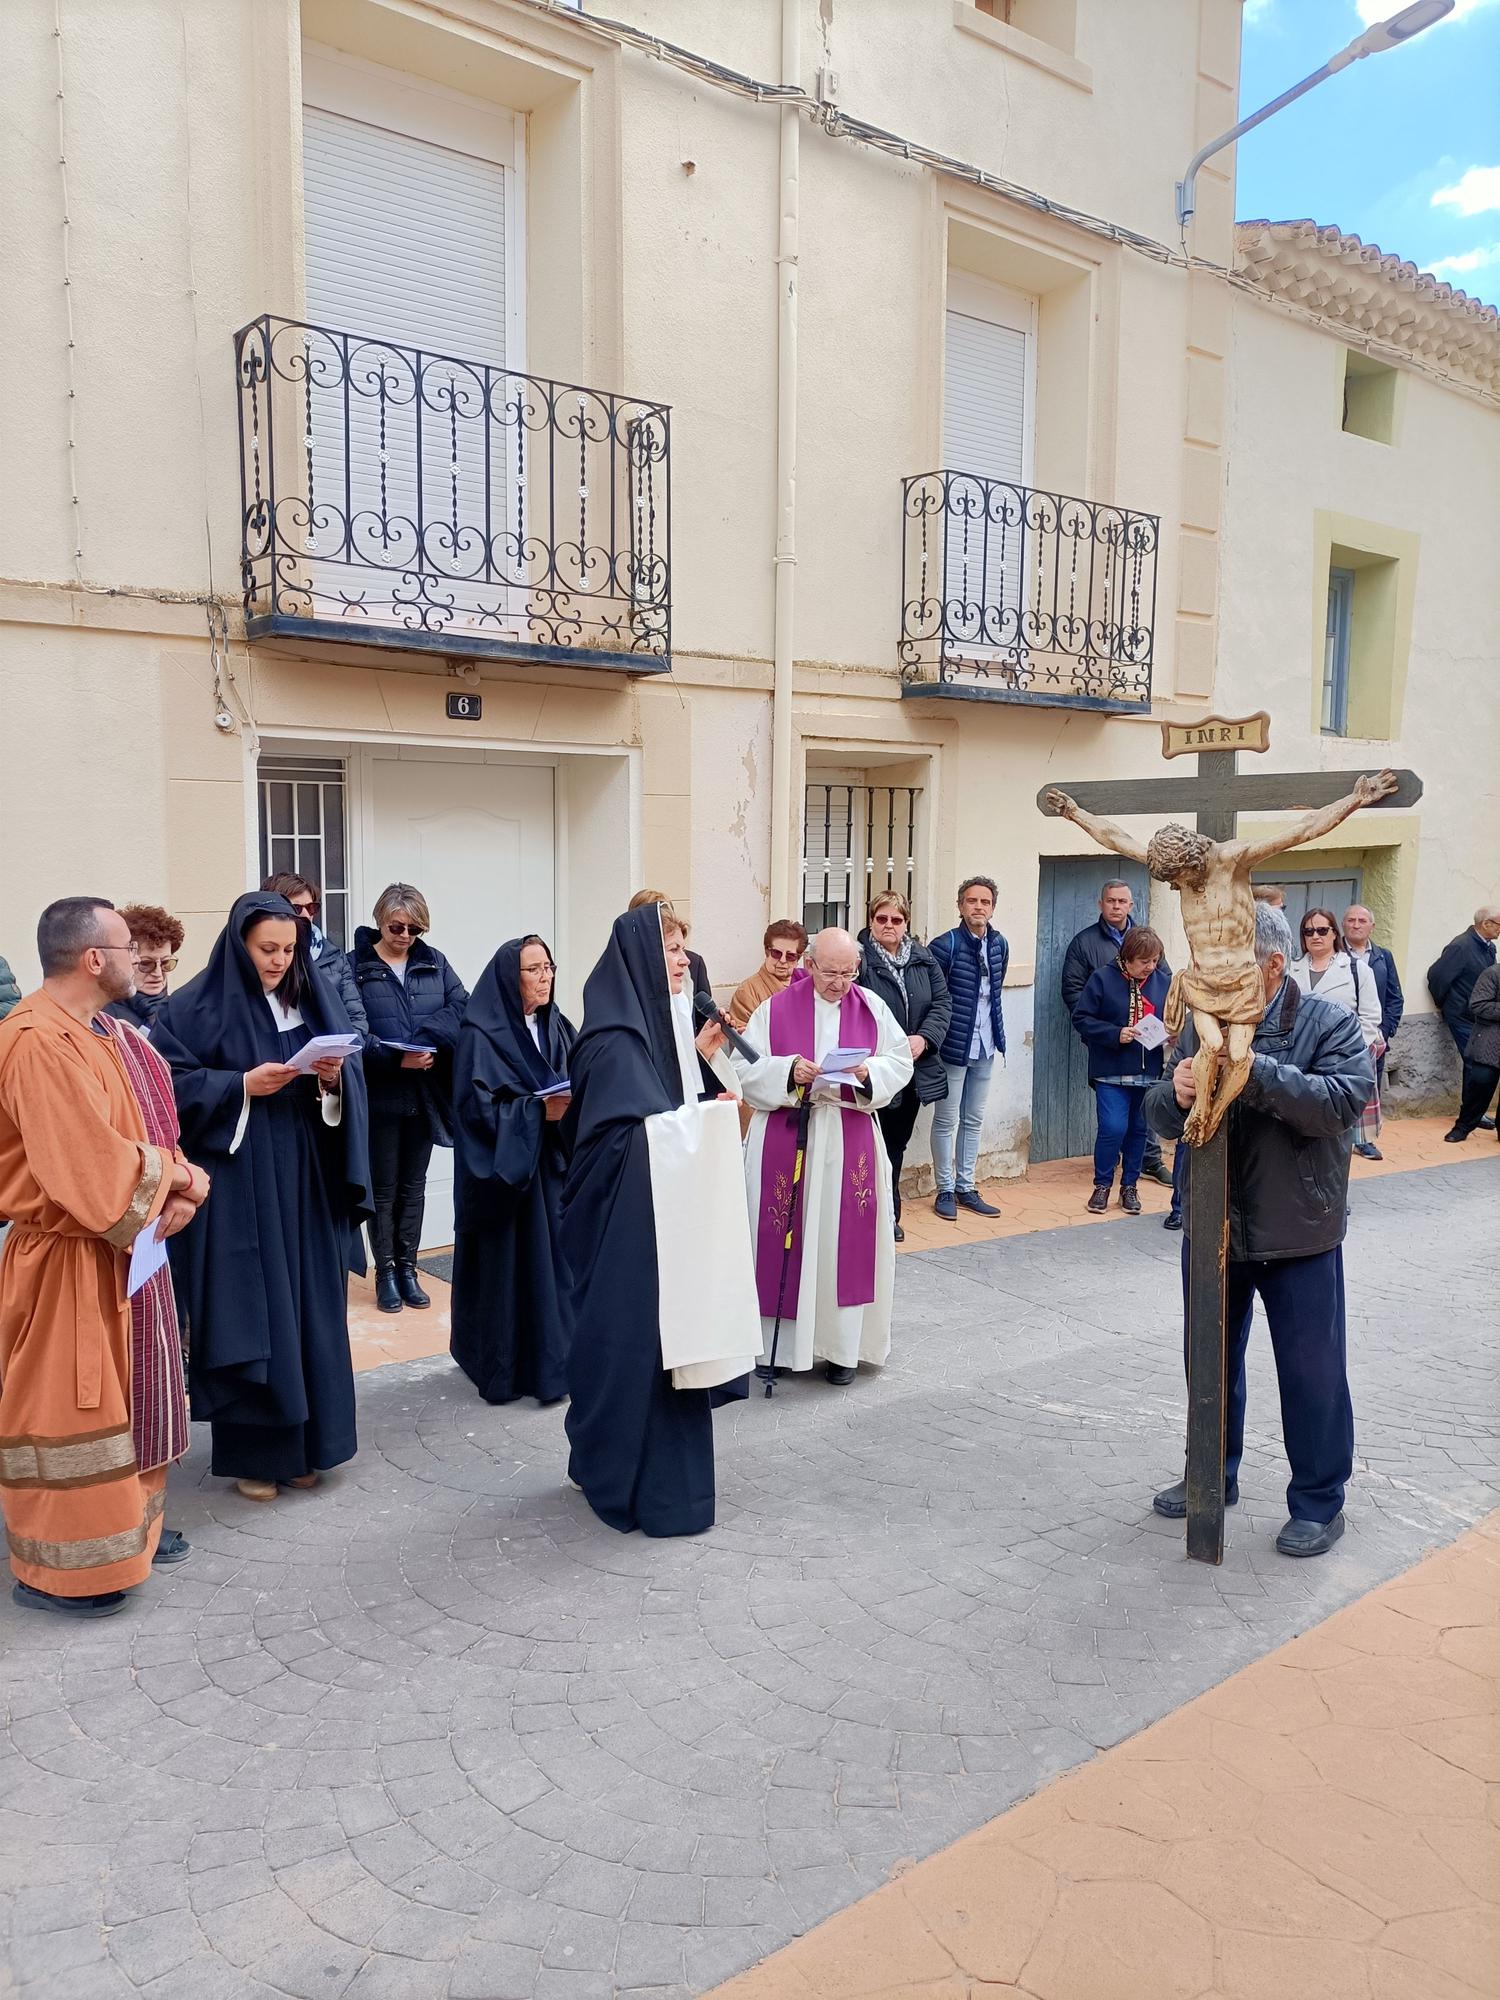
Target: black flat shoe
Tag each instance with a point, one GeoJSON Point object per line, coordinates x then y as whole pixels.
{"type": "Point", "coordinates": [898, 1234]}
{"type": "Point", "coordinates": [174, 1547]}
{"type": "Point", "coordinates": [839, 1377]}
{"type": "Point", "coordinates": [1455, 1136]}
{"type": "Point", "coordinates": [105, 1605]}
{"type": "Point", "coordinates": [1172, 1500]}
{"type": "Point", "coordinates": [1310, 1538]}
{"type": "Point", "coordinates": [1171, 1222]}
{"type": "Point", "coordinates": [386, 1296]}
{"type": "Point", "coordinates": [406, 1284]}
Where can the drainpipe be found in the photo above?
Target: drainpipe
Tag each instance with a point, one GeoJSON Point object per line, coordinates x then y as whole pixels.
{"type": "Point", "coordinates": [784, 900]}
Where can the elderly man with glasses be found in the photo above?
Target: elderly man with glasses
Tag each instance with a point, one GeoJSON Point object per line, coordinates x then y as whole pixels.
{"type": "Point", "coordinates": [832, 1056]}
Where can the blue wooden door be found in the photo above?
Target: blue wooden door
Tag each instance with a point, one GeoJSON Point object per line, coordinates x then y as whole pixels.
{"type": "Point", "coordinates": [1062, 1105]}
{"type": "Point", "coordinates": [1306, 892]}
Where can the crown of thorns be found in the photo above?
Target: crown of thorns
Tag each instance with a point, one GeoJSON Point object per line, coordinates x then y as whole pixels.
{"type": "Point", "coordinates": [1176, 850]}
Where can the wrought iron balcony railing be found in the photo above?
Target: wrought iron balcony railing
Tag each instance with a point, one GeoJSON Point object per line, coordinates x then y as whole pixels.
{"type": "Point", "coordinates": [1010, 594]}
{"type": "Point", "coordinates": [404, 498]}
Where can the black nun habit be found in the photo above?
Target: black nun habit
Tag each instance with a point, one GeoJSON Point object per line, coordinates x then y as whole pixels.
{"type": "Point", "coordinates": [261, 1273]}
{"type": "Point", "coordinates": [641, 1450]}
{"type": "Point", "coordinates": [511, 1324]}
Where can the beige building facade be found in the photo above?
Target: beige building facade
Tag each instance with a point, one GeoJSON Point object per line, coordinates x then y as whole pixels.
{"type": "Point", "coordinates": [749, 452]}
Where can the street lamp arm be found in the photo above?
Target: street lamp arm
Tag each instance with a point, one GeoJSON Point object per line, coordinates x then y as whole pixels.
{"type": "Point", "coordinates": [1186, 187]}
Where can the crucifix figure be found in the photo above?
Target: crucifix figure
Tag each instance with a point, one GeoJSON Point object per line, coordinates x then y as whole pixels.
{"type": "Point", "coordinates": [1210, 868]}
{"type": "Point", "coordinates": [1222, 984]}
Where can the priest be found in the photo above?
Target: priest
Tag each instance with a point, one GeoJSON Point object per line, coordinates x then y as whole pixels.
{"type": "Point", "coordinates": [837, 1046]}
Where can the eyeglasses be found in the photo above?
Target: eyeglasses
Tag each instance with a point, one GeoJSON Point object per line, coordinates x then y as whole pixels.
{"type": "Point", "coordinates": [133, 949]}
{"type": "Point", "coordinates": [156, 964]}
{"type": "Point", "coordinates": [403, 930]}
{"type": "Point", "coordinates": [534, 971]}
{"type": "Point", "coordinates": [845, 978]}
{"type": "Point", "coordinates": [1317, 930]}
{"type": "Point", "coordinates": [782, 957]}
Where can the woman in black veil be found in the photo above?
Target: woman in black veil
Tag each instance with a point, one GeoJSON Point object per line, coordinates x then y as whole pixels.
{"type": "Point", "coordinates": [261, 1276]}
{"type": "Point", "coordinates": [641, 1450]}
{"type": "Point", "coordinates": [511, 1323]}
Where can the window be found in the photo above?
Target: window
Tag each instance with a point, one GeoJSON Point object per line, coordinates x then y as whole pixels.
{"type": "Point", "coordinates": [1369, 398]}
{"type": "Point", "coordinates": [857, 838]}
{"type": "Point", "coordinates": [989, 361]}
{"type": "Point", "coordinates": [1336, 652]}
{"type": "Point", "coordinates": [302, 831]}
{"type": "Point", "coordinates": [1043, 32]}
{"type": "Point", "coordinates": [998, 10]}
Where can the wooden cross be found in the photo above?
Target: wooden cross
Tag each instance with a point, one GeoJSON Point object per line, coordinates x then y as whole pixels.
{"type": "Point", "coordinates": [1214, 799]}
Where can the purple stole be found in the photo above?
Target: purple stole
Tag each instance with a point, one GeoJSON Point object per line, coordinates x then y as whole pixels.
{"type": "Point", "coordinates": [794, 1032]}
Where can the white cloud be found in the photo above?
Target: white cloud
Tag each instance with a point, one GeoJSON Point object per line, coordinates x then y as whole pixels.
{"type": "Point", "coordinates": [1256, 11]}
{"type": "Point", "coordinates": [1475, 192]}
{"type": "Point", "coordinates": [1370, 11]}
{"type": "Point", "coordinates": [1483, 257]}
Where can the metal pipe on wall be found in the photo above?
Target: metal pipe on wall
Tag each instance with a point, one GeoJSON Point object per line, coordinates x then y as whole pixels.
{"type": "Point", "coordinates": [784, 898]}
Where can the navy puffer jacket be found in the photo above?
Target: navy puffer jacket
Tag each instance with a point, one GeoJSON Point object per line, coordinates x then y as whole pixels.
{"type": "Point", "coordinates": [426, 1007]}
{"type": "Point", "coordinates": [957, 952]}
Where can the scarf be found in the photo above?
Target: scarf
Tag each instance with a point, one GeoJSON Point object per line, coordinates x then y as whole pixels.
{"type": "Point", "coordinates": [1138, 1005]}
{"type": "Point", "coordinates": [895, 964]}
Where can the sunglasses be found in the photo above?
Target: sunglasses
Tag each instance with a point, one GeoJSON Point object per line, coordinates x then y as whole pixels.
{"type": "Point", "coordinates": [403, 930]}
{"type": "Point", "coordinates": [157, 964]}
{"type": "Point", "coordinates": [888, 917]}
{"type": "Point", "coordinates": [1317, 930]}
{"type": "Point", "coordinates": [782, 957]}
{"type": "Point", "coordinates": [305, 909]}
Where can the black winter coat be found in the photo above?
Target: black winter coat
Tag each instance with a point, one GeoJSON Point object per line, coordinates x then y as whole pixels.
{"type": "Point", "coordinates": [1291, 1129]}
{"type": "Point", "coordinates": [926, 1011]}
{"type": "Point", "coordinates": [426, 1007]}
{"type": "Point", "coordinates": [1484, 1012]}
{"type": "Point", "coordinates": [1451, 977]}
{"type": "Point", "coordinates": [335, 966]}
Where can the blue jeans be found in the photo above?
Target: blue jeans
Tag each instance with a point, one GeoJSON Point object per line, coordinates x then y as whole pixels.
{"type": "Point", "coordinates": [961, 1110]}
{"type": "Point", "coordinates": [1122, 1132]}
{"type": "Point", "coordinates": [1304, 1302]}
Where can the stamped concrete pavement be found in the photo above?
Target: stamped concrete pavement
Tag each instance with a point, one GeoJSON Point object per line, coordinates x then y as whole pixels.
{"type": "Point", "coordinates": [433, 1731]}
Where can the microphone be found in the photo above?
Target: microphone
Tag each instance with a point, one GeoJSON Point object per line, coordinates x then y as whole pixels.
{"type": "Point", "coordinates": [706, 1010]}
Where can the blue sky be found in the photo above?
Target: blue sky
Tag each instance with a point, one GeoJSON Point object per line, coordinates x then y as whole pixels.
{"type": "Point", "coordinates": [1402, 149]}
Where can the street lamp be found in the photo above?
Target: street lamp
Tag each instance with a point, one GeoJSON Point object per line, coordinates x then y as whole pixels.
{"type": "Point", "coordinates": [1384, 35]}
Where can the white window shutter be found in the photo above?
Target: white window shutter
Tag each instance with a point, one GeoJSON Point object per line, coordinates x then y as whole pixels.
{"type": "Point", "coordinates": [984, 404]}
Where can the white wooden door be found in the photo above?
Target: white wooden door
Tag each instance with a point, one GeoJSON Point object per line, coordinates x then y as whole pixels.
{"type": "Point", "coordinates": [478, 840]}
{"type": "Point", "coordinates": [988, 423]}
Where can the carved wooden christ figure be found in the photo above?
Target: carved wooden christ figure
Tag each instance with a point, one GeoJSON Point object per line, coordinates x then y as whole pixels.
{"type": "Point", "coordinates": [1222, 985]}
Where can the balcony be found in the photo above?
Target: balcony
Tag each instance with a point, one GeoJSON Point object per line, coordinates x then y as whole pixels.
{"type": "Point", "coordinates": [1010, 594]}
{"type": "Point", "coordinates": [396, 498]}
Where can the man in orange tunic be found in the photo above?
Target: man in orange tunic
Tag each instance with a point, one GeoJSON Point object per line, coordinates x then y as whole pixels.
{"type": "Point", "coordinates": [79, 1182]}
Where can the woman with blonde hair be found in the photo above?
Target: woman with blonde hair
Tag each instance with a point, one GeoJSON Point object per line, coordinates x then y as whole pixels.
{"type": "Point", "coordinates": [414, 1002]}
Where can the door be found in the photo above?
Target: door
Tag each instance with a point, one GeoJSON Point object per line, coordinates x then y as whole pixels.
{"type": "Point", "coordinates": [1062, 1105]}
{"type": "Point", "coordinates": [1311, 892]}
{"type": "Point", "coordinates": [478, 840]}
{"type": "Point", "coordinates": [988, 400]}
{"type": "Point", "coordinates": [411, 217]}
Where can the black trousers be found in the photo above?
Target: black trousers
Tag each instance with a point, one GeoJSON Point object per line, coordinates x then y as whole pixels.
{"type": "Point", "coordinates": [897, 1123]}
{"type": "Point", "coordinates": [1480, 1083]}
{"type": "Point", "coordinates": [400, 1148]}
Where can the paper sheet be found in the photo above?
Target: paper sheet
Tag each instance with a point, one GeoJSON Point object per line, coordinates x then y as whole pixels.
{"type": "Point", "coordinates": [560, 1089]}
{"type": "Point", "coordinates": [146, 1258]}
{"type": "Point", "coordinates": [1149, 1031]}
{"type": "Point", "coordinates": [840, 1062]}
{"type": "Point", "coordinates": [406, 1048]}
{"type": "Point", "coordinates": [321, 1046]}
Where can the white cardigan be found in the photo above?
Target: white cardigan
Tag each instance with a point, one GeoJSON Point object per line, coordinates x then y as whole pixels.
{"type": "Point", "coordinates": [1338, 985]}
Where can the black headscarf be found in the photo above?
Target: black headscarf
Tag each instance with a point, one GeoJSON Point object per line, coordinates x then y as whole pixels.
{"type": "Point", "coordinates": [626, 1046]}
{"type": "Point", "coordinates": [498, 1064]}
{"type": "Point", "coordinates": [217, 1022]}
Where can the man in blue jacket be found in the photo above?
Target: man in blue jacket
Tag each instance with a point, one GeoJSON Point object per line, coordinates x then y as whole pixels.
{"type": "Point", "coordinates": [1289, 1145]}
{"type": "Point", "coordinates": [973, 957]}
{"type": "Point", "coordinates": [1377, 961]}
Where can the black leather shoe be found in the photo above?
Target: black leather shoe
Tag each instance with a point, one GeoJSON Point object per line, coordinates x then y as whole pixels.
{"type": "Point", "coordinates": [1160, 1173]}
{"type": "Point", "coordinates": [1172, 1500]}
{"type": "Point", "coordinates": [1310, 1538]}
{"type": "Point", "coordinates": [1486, 1124]}
{"type": "Point", "coordinates": [898, 1234]}
{"type": "Point", "coordinates": [840, 1377]}
{"type": "Point", "coordinates": [174, 1547]}
{"type": "Point", "coordinates": [386, 1295]}
{"type": "Point", "coordinates": [1456, 1135]}
{"type": "Point", "coordinates": [1130, 1199]}
{"type": "Point", "coordinates": [411, 1292]}
{"type": "Point", "coordinates": [1098, 1201]}
{"type": "Point", "coordinates": [102, 1606]}
{"type": "Point", "coordinates": [946, 1206]}
{"type": "Point", "coordinates": [975, 1202]}
{"type": "Point", "coordinates": [1171, 1221]}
